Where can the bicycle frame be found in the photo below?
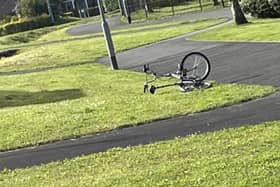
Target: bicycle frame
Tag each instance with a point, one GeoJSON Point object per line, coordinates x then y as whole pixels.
{"type": "Point", "coordinates": [184, 83]}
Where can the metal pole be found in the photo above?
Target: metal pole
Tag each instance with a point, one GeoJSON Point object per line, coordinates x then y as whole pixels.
{"type": "Point", "coordinates": [73, 4]}
{"type": "Point", "coordinates": [200, 5]}
{"type": "Point", "coordinates": [50, 11]}
{"type": "Point", "coordinates": [107, 36]}
{"type": "Point", "coordinates": [172, 7]}
{"type": "Point", "coordinates": [120, 7]}
{"type": "Point", "coordinates": [127, 11]}
{"type": "Point", "coordinates": [146, 8]}
{"type": "Point", "coordinates": [86, 3]}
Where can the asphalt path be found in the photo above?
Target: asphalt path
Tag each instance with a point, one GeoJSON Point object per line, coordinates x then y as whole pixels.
{"type": "Point", "coordinates": [250, 63]}
{"type": "Point", "coordinates": [116, 23]}
{"type": "Point", "coordinates": [243, 62]}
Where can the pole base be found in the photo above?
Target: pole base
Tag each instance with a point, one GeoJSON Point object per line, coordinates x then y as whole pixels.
{"type": "Point", "coordinates": [114, 63]}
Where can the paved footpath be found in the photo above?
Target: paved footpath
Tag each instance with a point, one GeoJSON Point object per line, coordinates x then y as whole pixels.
{"type": "Point", "coordinates": [253, 63]}
{"type": "Point", "coordinates": [116, 23]}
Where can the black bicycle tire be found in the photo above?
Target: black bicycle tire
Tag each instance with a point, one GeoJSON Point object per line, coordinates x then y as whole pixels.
{"type": "Point", "coordinates": [206, 59]}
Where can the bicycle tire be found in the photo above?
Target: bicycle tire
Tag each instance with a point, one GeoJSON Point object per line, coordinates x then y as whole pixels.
{"type": "Point", "coordinates": [202, 63]}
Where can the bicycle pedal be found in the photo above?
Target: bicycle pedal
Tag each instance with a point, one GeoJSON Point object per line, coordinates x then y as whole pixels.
{"type": "Point", "coordinates": [184, 89]}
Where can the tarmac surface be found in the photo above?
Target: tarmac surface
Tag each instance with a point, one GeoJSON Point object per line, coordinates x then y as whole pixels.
{"type": "Point", "coordinates": [116, 23]}
{"type": "Point", "coordinates": [232, 62]}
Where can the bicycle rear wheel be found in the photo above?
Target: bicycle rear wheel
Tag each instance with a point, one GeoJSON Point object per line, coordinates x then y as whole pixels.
{"type": "Point", "coordinates": [195, 66]}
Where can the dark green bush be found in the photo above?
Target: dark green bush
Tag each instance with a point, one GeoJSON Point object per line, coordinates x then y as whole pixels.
{"type": "Point", "coordinates": [262, 8]}
{"type": "Point", "coordinates": [111, 5]}
{"type": "Point", "coordinates": [8, 18]}
{"type": "Point", "coordinates": [276, 5]}
{"type": "Point", "coordinates": [161, 3]}
{"type": "Point", "coordinates": [30, 8]}
{"type": "Point", "coordinates": [167, 3]}
{"type": "Point", "coordinates": [26, 24]}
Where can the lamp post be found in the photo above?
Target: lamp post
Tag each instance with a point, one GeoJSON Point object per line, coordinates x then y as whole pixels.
{"type": "Point", "coordinates": [107, 36]}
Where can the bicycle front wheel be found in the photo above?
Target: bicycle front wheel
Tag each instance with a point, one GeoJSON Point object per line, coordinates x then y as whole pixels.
{"type": "Point", "coordinates": [195, 66]}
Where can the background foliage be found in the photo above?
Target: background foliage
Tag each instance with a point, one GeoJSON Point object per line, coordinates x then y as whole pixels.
{"type": "Point", "coordinates": [111, 5]}
{"type": "Point", "coordinates": [262, 8]}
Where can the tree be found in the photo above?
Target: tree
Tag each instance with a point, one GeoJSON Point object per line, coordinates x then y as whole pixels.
{"type": "Point", "coordinates": [238, 14]}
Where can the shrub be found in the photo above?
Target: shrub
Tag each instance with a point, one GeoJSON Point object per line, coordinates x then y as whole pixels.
{"type": "Point", "coordinates": [262, 8]}
{"type": "Point", "coordinates": [111, 5]}
{"type": "Point", "coordinates": [25, 24]}
{"type": "Point", "coordinates": [29, 8]}
{"type": "Point", "coordinates": [276, 5]}
{"type": "Point", "coordinates": [158, 4]}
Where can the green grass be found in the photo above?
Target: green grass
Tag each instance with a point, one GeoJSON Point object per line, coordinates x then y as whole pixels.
{"type": "Point", "coordinates": [58, 33]}
{"type": "Point", "coordinates": [84, 51]}
{"type": "Point", "coordinates": [74, 101]}
{"type": "Point", "coordinates": [61, 35]}
{"type": "Point", "coordinates": [247, 156]}
{"type": "Point", "coordinates": [29, 37]}
{"type": "Point", "coordinates": [256, 30]}
{"type": "Point", "coordinates": [78, 100]}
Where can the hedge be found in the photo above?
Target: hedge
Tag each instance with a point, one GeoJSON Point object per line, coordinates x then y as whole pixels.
{"type": "Point", "coordinates": [262, 8]}
{"type": "Point", "coordinates": [25, 24]}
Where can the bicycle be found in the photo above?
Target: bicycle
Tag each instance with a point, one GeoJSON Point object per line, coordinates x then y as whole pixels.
{"type": "Point", "coordinates": [191, 73]}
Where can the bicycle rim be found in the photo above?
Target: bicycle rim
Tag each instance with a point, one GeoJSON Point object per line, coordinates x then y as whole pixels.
{"type": "Point", "coordinates": [196, 66]}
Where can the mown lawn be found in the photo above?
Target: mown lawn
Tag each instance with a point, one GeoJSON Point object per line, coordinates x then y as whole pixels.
{"type": "Point", "coordinates": [22, 39]}
{"type": "Point", "coordinates": [85, 99]}
{"type": "Point", "coordinates": [247, 156]}
{"type": "Point", "coordinates": [27, 37]}
{"type": "Point", "coordinates": [61, 34]}
{"type": "Point", "coordinates": [75, 101]}
{"type": "Point", "coordinates": [256, 30]}
{"type": "Point", "coordinates": [85, 51]}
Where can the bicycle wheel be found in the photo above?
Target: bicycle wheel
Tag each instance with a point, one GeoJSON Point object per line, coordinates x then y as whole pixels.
{"type": "Point", "coordinates": [195, 66]}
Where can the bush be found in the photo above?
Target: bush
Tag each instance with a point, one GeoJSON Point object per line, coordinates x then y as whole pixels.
{"type": "Point", "coordinates": [159, 3]}
{"type": "Point", "coordinates": [8, 19]}
{"type": "Point", "coordinates": [29, 8]}
{"type": "Point", "coordinates": [276, 5]}
{"type": "Point", "coordinates": [167, 3]}
{"type": "Point", "coordinates": [262, 8]}
{"type": "Point", "coordinates": [111, 5]}
{"type": "Point", "coordinates": [25, 24]}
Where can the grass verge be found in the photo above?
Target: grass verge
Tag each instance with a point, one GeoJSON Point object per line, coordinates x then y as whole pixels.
{"type": "Point", "coordinates": [30, 37]}
{"type": "Point", "coordinates": [74, 101]}
{"type": "Point", "coordinates": [61, 35]}
{"type": "Point", "coordinates": [247, 156]}
{"type": "Point", "coordinates": [21, 38]}
{"type": "Point", "coordinates": [84, 51]}
{"type": "Point", "coordinates": [256, 30]}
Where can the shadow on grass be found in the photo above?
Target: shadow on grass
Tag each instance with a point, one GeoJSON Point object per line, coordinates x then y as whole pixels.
{"type": "Point", "coordinates": [22, 98]}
